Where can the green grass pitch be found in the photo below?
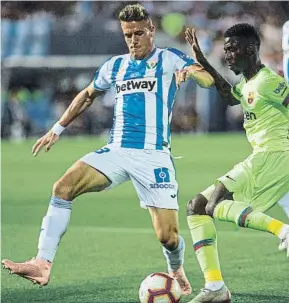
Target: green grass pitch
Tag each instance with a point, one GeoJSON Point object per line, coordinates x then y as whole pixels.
{"type": "Point", "coordinates": [110, 245]}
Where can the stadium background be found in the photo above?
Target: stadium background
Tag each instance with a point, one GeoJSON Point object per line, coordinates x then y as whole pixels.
{"type": "Point", "coordinates": [49, 52]}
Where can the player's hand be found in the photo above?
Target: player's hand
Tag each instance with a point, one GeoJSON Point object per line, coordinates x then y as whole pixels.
{"type": "Point", "coordinates": [181, 76]}
{"type": "Point", "coordinates": [47, 140]}
{"type": "Point", "coordinates": [210, 207]}
{"type": "Point", "coordinates": [192, 39]}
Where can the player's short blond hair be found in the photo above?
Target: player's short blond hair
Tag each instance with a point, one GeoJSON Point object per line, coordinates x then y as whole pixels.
{"type": "Point", "coordinates": [134, 12]}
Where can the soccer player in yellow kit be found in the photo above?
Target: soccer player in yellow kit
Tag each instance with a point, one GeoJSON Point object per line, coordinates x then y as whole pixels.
{"type": "Point", "coordinates": [253, 186]}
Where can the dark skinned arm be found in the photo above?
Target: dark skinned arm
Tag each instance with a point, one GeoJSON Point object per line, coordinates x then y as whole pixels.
{"type": "Point", "coordinates": [222, 85]}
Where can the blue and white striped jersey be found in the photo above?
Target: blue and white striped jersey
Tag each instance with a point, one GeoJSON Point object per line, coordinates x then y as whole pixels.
{"type": "Point", "coordinates": [285, 46]}
{"type": "Point", "coordinates": [144, 96]}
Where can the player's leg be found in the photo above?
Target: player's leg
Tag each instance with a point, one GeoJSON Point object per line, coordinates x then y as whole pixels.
{"type": "Point", "coordinates": [257, 187]}
{"type": "Point", "coordinates": [284, 203]}
{"type": "Point", "coordinates": [78, 179]}
{"type": "Point", "coordinates": [92, 173]}
{"type": "Point", "coordinates": [203, 230]}
{"type": "Point", "coordinates": [165, 222]}
{"type": "Point", "coordinates": [153, 176]}
{"type": "Point", "coordinates": [204, 238]}
{"type": "Point", "coordinates": [244, 215]}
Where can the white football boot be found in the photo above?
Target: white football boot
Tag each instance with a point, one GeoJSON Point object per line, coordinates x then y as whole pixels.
{"type": "Point", "coordinates": [222, 295]}
{"type": "Point", "coordinates": [284, 242]}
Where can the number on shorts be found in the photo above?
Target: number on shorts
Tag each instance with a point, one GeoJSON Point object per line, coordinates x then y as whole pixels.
{"type": "Point", "coordinates": [102, 150]}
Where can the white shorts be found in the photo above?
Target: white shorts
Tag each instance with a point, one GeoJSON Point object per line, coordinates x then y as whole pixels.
{"type": "Point", "coordinates": [152, 173]}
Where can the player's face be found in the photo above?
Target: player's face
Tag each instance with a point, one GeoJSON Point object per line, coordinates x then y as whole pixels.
{"type": "Point", "coordinates": [235, 54]}
{"type": "Point", "coordinates": [139, 37]}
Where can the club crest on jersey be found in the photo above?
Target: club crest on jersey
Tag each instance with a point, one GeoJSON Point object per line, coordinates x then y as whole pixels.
{"type": "Point", "coordinates": [151, 64]}
{"type": "Point", "coordinates": [251, 97]}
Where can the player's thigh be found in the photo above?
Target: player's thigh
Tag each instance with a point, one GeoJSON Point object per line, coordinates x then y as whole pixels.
{"type": "Point", "coordinates": [78, 179]}
{"type": "Point", "coordinates": [272, 181]}
{"type": "Point", "coordinates": [240, 179]}
{"type": "Point", "coordinates": [165, 223]}
{"type": "Point", "coordinates": [98, 170]}
{"type": "Point", "coordinates": [236, 182]}
{"type": "Point", "coordinates": [110, 162]}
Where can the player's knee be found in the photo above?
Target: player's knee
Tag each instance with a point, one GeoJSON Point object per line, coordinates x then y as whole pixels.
{"type": "Point", "coordinates": [62, 190]}
{"type": "Point", "coordinates": [169, 239]}
{"type": "Point", "coordinates": [197, 206]}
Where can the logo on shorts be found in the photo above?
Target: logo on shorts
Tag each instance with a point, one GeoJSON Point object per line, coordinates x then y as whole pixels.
{"type": "Point", "coordinates": [230, 178]}
{"type": "Point", "coordinates": [162, 176]}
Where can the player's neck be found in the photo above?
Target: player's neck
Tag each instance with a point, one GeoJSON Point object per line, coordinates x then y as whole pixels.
{"type": "Point", "coordinates": [252, 70]}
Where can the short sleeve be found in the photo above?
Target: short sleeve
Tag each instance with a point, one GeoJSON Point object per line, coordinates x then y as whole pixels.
{"type": "Point", "coordinates": [275, 89]}
{"type": "Point", "coordinates": [102, 79]}
{"type": "Point", "coordinates": [179, 59]}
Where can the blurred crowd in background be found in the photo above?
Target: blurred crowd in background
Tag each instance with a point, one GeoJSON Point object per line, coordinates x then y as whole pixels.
{"type": "Point", "coordinates": [34, 97]}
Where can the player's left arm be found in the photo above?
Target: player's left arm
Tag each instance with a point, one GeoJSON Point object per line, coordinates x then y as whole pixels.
{"type": "Point", "coordinates": [186, 68]}
{"type": "Point", "coordinates": [222, 85]}
{"type": "Point", "coordinates": [196, 72]}
{"type": "Point", "coordinates": [276, 90]}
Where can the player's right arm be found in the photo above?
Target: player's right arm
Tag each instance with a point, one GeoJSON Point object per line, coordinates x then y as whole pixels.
{"type": "Point", "coordinates": [222, 85]}
{"type": "Point", "coordinates": [80, 103]}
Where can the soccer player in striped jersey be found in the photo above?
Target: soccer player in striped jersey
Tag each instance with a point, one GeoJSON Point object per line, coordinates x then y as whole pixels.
{"type": "Point", "coordinates": [138, 149]}
{"type": "Point", "coordinates": [253, 186]}
{"type": "Point", "coordinates": [284, 202]}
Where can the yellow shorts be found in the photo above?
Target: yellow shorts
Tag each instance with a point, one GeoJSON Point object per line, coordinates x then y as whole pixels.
{"type": "Point", "coordinates": [261, 180]}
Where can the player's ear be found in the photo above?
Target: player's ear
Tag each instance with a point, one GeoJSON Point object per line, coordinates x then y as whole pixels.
{"type": "Point", "coordinates": [152, 28]}
{"type": "Point", "coordinates": [250, 49]}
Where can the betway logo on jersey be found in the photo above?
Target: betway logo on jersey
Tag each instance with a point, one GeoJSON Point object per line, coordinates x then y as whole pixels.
{"type": "Point", "coordinates": [136, 86]}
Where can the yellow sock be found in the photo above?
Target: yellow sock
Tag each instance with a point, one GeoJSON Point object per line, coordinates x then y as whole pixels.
{"type": "Point", "coordinates": [205, 245]}
{"type": "Point", "coordinates": [275, 226]}
{"type": "Point", "coordinates": [245, 216]}
{"type": "Point", "coordinates": [212, 275]}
